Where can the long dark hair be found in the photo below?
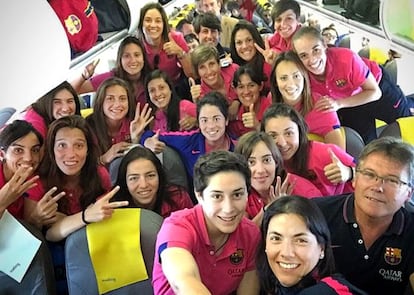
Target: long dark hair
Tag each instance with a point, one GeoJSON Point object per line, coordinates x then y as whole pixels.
{"type": "Point", "coordinates": [123, 194]}
{"type": "Point", "coordinates": [299, 162]}
{"type": "Point", "coordinates": [89, 180]}
{"type": "Point", "coordinates": [173, 109]}
{"type": "Point", "coordinates": [97, 118]}
{"type": "Point", "coordinates": [315, 222]}
{"type": "Point", "coordinates": [44, 105]}
{"type": "Point", "coordinates": [119, 71]}
{"type": "Point", "coordinates": [157, 6]}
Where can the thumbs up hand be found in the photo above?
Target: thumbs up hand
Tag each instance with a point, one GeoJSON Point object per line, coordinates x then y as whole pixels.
{"type": "Point", "coordinates": [154, 143]}
{"type": "Point", "coordinates": [171, 47]}
{"type": "Point", "coordinates": [249, 118]}
{"type": "Point", "coordinates": [195, 89]}
{"type": "Point", "coordinates": [336, 171]}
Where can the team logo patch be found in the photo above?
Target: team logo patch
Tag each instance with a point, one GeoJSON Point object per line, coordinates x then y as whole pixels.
{"type": "Point", "coordinates": [392, 256]}
{"type": "Point", "coordinates": [73, 24]}
{"type": "Point", "coordinates": [340, 82]}
{"type": "Point", "coordinates": [237, 257]}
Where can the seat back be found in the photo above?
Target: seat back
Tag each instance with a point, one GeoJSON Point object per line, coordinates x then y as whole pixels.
{"type": "Point", "coordinates": [79, 270]}
{"type": "Point", "coordinates": [5, 115]}
{"type": "Point", "coordinates": [354, 142]}
{"type": "Point", "coordinates": [402, 128]}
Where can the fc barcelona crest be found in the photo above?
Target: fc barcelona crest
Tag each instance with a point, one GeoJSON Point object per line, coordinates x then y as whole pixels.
{"type": "Point", "coordinates": [392, 255]}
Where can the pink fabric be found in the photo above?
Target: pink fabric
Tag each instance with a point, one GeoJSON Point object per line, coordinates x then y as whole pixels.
{"type": "Point", "coordinates": [227, 74]}
{"type": "Point", "coordinates": [319, 157]}
{"type": "Point", "coordinates": [168, 64]}
{"type": "Point", "coordinates": [279, 44]}
{"type": "Point", "coordinates": [180, 200]}
{"type": "Point", "coordinates": [124, 133]}
{"type": "Point", "coordinates": [237, 128]}
{"type": "Point", "coordinates": [302, 187]}
{"type": "Point", "coordinates": [36, 120]}
{"type": "Point", "coordinates": [187, 108]}
{"type": "Point", "coordinates": [97, 80]}
{"type": "Point", "coordinates": [220, 274]}
{"type": "Point", "coordinates": [345, 73]}
{"type": "Point", "coordinates": [72, 196]}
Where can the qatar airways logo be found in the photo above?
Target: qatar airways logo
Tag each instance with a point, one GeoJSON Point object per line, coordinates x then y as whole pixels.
{"type": "Point", "coordinates": [391, 275]}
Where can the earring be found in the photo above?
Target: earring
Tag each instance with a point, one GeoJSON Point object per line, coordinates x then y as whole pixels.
{"type": "Point", "coordinates": [322, 256]}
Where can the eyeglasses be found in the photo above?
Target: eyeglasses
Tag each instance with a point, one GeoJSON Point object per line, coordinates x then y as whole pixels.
{"type": "Point", "coordinates": [388, 181]}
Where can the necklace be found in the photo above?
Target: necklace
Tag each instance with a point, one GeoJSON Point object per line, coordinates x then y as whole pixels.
{"type": "Point", "coordinates": [222, 245]}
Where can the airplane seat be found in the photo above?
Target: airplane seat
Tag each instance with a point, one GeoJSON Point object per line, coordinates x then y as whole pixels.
{"type": "Point", "coordinates": [354, 142]}
{"type": "Point", "coordinates": [39, 278]}
{"type": "Point", "coordinates": [5, 115]}
{"type": "Point", "coordinates": [79, 267]}
{"type": "Point", "coordinates": [401, 128]}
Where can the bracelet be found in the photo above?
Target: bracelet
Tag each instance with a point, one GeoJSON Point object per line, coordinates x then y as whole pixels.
{"type": "Point", "coordinates": [83, 217]}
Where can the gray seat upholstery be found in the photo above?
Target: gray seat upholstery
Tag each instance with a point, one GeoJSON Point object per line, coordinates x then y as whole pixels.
{"type": "Point", "coordinates": [5, 115]}
{"type": "Point", "coordinates": [79, 270]}
{"type": "Point", "coordinates": [354, 142]}
{"type": "Point", "coordinates": [39, 278]}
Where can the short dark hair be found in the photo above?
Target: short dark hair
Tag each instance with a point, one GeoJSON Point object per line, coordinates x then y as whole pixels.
{"type": "Point", "coordinates": [283, 5]}
{"type": "Point", "coordinates": [219, 161]}
{"type": "Point", "coordinates": [181, 23]}
{"type": "Point", "coordinates": [16, 130]}
{"type": "Point", "coordinates": [208, 20]}
{"type": "Point", "coordinates": [214, 98]}
{"type": "Point", "coordinates": [315, 222]}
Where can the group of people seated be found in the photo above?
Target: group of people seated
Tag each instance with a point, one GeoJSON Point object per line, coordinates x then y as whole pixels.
{"type": "Point", "coordinates": [267, 210]}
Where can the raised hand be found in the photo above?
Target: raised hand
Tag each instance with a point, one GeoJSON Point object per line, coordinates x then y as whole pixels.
{"type": "Point", "coordinates": [188, 123]}
{"type": "Point", "coordinates": [336, 171]}
{"type": "Point", "coordinates": [268, 53]}
{"type": "Point", "coordinates": [45, 211]}
{"type": "Point", "coordinates": [249, 118]}
{"type": "Point", "coordinates": [172, 48]}
{"type": "Point", "coordinates": [116, 150]}
{"type": "Point", "coordinates": [154, 143]}
{"type": "Point", "coordinates": [89, 70]}
{"type": "Point", "coordinates": [141, 120]}
{"type": "Point", "coordinates": [326, 104]}
{"type": "Point", "coordinates": [17, 185]}
{"type": "Point", "coordinates": [103, 209]}
{"type": "Point", "coordinates": [195, 90]}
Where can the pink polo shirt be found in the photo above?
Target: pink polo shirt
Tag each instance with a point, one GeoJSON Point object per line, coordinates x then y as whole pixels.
{"type": "Point", "coordinates": [221, 274]}
{"type": "Point", "coordinates": [319, 157]}
{"type": "Point", "coordinates": [279, 44]}
{"type": "Point", "coordinates": [33, 117]}
{"type": "Point", "coordinates": [97, 80]}
{"type": "Point", "coordinates": [72, 196]}
{"type": "Point", "coordinates": [167, 63]}
{"type": "Point", "coordinates": [227, 75]}
{"type": "Point", "coordinates": [237, 128]}
{"type": "Point", "coordinates": [302, 187]}
{"type": "Point", "coordinates": [345, 73]}
{"type": "Point", "coordinates": [187, 108]}
{"type": "Point", "coordinates": [124, 133]}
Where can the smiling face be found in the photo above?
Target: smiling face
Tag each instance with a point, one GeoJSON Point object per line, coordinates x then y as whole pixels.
{"type": "Point", "coordinates": [212, 123]}
{"type": "Point", "coordinates": [375, 199]}
{"type": "Point", "coordinates": [143, 182]}
{"type": "Point", "coordinates": [263, 168]}
{"type": "Point", "coordinates": [224, 202]}
{"type": "Point", "coordinates": [210, 72]}
{"type": "Point", "coordinates": [285, 133]}
{"type": "Point", "coordinates": [115, 105]}
{"type": "Point", "coordinates": [292, 250]}
{"type": "Point", "coordinates": [286, 24]}
{"type": "Point", "coordinates": [25, 151]}
{"type": "Point", "coordinates": [244, 44]}
{"type": "Point", "coordinates": [160, 93]}
{"type": "Point", "coordinates": [132, 59]}
{"type": "Point", "coordinates": [290, 82]}
{"type": "Point", "coordinates": [71, 150]}
{"type": "Point", "coordinates": [153, 25]}
{"type": "Point", "coordinates": [248, 91]}
{"type": "Point", "coordinates": [312, 53]}
{"type": "Point", "coordinates": [208, 36]}
{"type": "Point", "coordinates": [63, 104]}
